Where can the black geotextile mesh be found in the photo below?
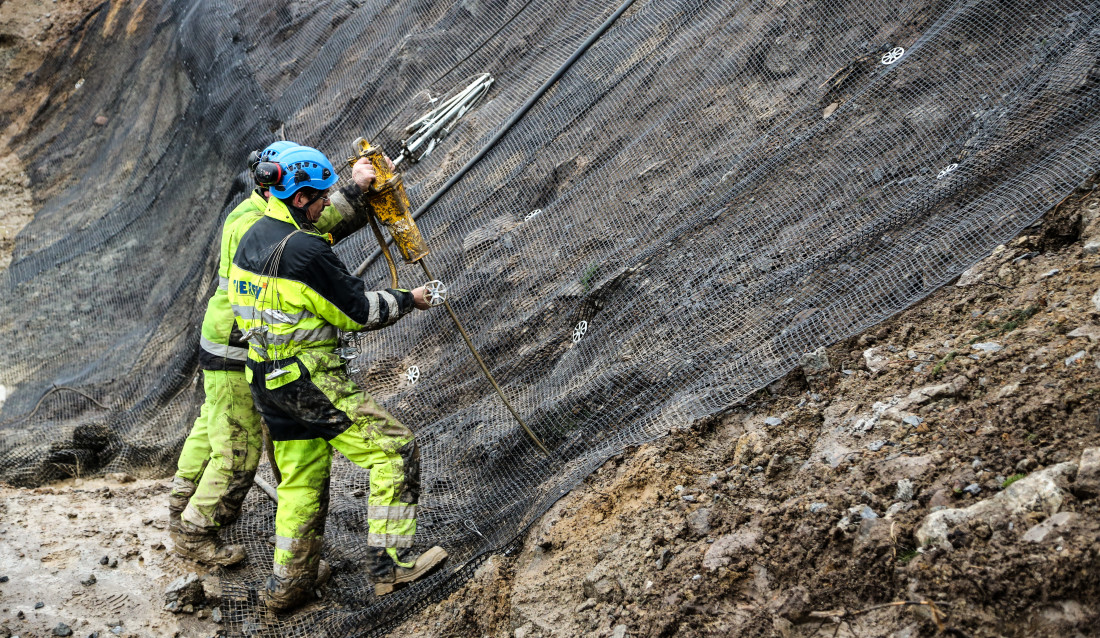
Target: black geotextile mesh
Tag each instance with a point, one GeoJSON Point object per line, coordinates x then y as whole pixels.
{"type": "Point", "coordinates": [712, 190]}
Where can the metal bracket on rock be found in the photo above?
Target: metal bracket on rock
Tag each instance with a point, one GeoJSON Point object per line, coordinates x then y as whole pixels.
{"type": "Point", "coordinates": [579, 331]}
{"type": "Point", "coordinates": [437, 292]}
{"type": "Point", "coordinates": [892, 55]}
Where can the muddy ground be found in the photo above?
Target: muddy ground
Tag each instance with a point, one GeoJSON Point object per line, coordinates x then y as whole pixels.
{"type": "Point", "coordinates": [92, 556]}
{"type": "Point", "coordinates": [940, 474]}
{"type": "Point", "coordinates": [939, 477]}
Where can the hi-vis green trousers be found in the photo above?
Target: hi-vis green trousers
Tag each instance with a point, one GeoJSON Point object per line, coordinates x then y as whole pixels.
{"type": "Point", "coordinates": [310, 409]}
{"type": "Point", "coordinates": [220, 456]}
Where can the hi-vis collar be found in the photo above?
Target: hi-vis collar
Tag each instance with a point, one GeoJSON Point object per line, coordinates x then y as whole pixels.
{"type": "Point", "coordinates": [276, 209]}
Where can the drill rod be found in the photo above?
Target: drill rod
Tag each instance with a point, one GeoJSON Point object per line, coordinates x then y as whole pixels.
{"type": "Point", "coordinates": [484, 368]}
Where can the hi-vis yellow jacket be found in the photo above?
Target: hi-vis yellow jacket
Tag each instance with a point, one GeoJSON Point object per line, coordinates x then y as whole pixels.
{"type": "Point", "coordinates": [291, 293]}
{"type": "Point", "coordinates": [220, 343]}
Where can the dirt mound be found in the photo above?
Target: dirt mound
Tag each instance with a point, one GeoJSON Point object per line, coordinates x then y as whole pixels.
{"type": "Point", "coordinates": [946, 460]}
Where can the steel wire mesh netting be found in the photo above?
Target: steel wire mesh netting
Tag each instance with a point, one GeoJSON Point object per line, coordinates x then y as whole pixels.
{"type": "Point", "coordinates": [712, 190]}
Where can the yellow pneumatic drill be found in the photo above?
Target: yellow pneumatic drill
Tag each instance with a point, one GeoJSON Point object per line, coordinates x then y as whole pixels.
{"type": "Point", "coordinates": [390, 205]}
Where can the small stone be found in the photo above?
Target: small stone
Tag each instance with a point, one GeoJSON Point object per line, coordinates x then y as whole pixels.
{"type": "Point", "coordinates": [699, 521]}
{"type": "Point", "coordinates": [818, 507]}
{"type": "Point", "coordinates": [104, 560]}
{"type": "Point", "coordinates": [619, 631]}
{"type": "Point", "coordinates": [690, 498]}
{"type": "Point", "coordinates": [894, 509]}
{"type": "Point", "coordinates": [94, 634]}
{"type": "Point", "coordinates": [159, 546]}
{"type": "Point", "coordinates": [188, 609]}
{"type": "Point", "coordinates": [773, 421]}
{"type": "Point", "coordinates": [173, 607]}
{"type": "Point", "coordinates": [1096, 300]}
{"type": "Point", "coordinates": [201, 615]}
{"type": "Point", "coordinates": [101, 120]}
{"type": "Point", "coordinates": [1089, 331]}
{"type": "Point", "coordinates": [829, 110]}
{"type": "Point", "coordinates": [185, 590]}
{"type": "Point", "coordinates": [146, 521]}
{"type": "Point", "coordinates": [1088, 472]}
{"type": "Point", "coordinates": [39, 605]}
{"type": "Point", "coordinates": [973, 489]}
{"type": "Point", "coordinates": [866, 513]}
{"type": "Point", "coordinates": [1040, 532]}
{"type": "Point", "coordinates": [89, 581]}
{"type": "Point", "coordinates": [62, 630]}
{"type": "Point", "coordinates": [1050, 273]}
{"type": "Point", "coordinates": [3, 579]}
{"type": "Point", "coordinates": [1075, 357]}
{"type": "Point", "coordinates": [216, 615]}
{"type": "Point", "coordinates": [912, 420]}
{"type": "Point", "coordinates": [114, 563]}
{"type": "Point", "coordinates": [1092, 247]}
{"type": "Point", "coordinates": [988, 347]}
{"type": "Point", "coordinates": [116, 631]}
{"type": "Point", "coordinates": [875, 446]}
{"type": "Point", "coordinates": [904, 491]}
{"type": "Point", "coordinates": [586, 605]}
{"type": "Point", "coordinates": [662, 560]}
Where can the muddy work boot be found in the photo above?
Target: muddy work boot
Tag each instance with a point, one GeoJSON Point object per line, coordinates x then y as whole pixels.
{"type": "Point", "coordinates": [205, 547]}
{"type": "Point", "coordinates": [281, 594]}
{"type": "Point", "coordinates": [388, 574]}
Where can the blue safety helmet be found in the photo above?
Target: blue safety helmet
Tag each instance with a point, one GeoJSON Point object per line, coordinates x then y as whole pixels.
{"type": "Point", "coordinates": [271, 153]}
{"type": "Point", "coordinates": [303, 167]}
{"type": "Point", "coordinates": [263, 165]}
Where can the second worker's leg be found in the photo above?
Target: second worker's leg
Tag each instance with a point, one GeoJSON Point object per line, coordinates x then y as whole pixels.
{"type": "Point", "coordinates": [234, 435]}
{"type": "Point", "coordinates": [193, 458]}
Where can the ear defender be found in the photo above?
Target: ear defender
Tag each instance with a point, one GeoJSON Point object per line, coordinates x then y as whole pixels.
{"type": "Point", "coordinates": [268, 173]}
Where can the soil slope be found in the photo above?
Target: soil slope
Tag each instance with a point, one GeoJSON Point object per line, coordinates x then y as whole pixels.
{"type": "Point", "coordinates": [941, 474]}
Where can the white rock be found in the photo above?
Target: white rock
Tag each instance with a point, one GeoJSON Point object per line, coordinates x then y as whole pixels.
{"type": "Point", "coordinates": [904, 491]}
{"type": "Point", "coordinates": [1087, 330]}
{"type": "Point", "coordinates": [1040, 532]}
{"type": "Point", "coordinates": [3, 394]}
{"type": "Point", "coordinates": [1075, 357]}
{"type": "Point", "coordinates": [1036, 492]}
{"type": "Point", "coordinates": [875, 360]}
{"type": "Point", "coordinates": [1096, 300]}
{"type": "Point", "coordinates": [1088, 472]}
{"type": "Point", "coordinates": [988, 347]}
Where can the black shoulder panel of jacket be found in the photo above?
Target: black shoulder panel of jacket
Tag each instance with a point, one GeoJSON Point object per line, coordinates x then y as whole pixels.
{"type": "Point", "coordinates": [310, 260]}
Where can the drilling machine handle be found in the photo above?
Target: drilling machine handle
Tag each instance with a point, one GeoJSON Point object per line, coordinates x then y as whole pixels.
{"type": "Point", "coordinates": [390, 205]}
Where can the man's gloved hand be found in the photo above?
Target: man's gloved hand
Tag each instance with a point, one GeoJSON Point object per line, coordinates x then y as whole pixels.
{"type": "Point", "coordinates": [420, 298]}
